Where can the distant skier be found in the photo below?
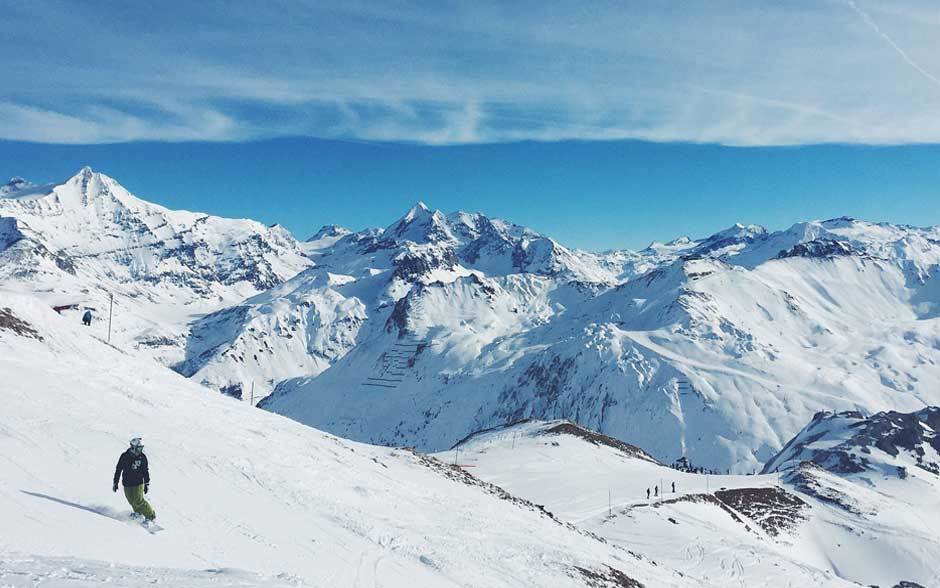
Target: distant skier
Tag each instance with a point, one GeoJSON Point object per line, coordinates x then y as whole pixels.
{"type": "Point", "coordinates": [132, 466]}
{"type": "Point", "coordinates": [86, 318]}
{"type": "Point", "coordinates": [647, 493]}
{"type": "Point", "coordinates": [673, 487]}
{"type": "Point", "coordinates": [655, 490]}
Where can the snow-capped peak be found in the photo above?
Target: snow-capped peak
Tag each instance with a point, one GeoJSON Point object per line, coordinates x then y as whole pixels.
{"type": "Point", "coordinates": [420, 225]}
{"type": "Point", "coordinates": [324, 239]}
{"type": "Point", "coordinates": [19, 188]}
{"type": "Point", "coordinates": [418, 213]}
{"type": "Point", "coordinates": [329, 231]}
{"type": "Point", "coordinates": [15, 184]}
{"type": "Point", "coordinates": [86, 188]}
{"type": "Point", "coordinates": [92, 228]}
{"type": "Point", "coordinates": [419, 208]}
{"type": "Point", "coordinates": [737, 233]}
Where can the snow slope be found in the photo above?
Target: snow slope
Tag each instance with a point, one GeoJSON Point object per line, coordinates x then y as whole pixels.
{"type": "Point", "coordinates": [245, 497]}
{"type": "Point", "coordinates": [756, 530]}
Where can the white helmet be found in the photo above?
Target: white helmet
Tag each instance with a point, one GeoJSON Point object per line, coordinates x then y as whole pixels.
{"type": "Point", "coordinates": [136, 443]}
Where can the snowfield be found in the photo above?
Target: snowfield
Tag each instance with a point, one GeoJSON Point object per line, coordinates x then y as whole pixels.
{"type": "Point", "coordinates": [795, 528]}
{"type": "Point", "coordinates": [237, 488]}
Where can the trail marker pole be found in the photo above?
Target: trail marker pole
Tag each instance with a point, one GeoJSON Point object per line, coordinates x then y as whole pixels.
{"type": "Point", "coordinates": [252, 392]}
{"type": "Point", "coordinates": [110, 313]}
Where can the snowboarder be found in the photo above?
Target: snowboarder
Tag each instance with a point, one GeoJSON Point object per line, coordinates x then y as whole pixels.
{"type": "Point", "coordinates": [86, 318]}
{"type": "Point", "coordinates": [647, 493]}
{"type": "Point", "coordinates": [673, 487]}
{"type": "Point", "coordinates": [656, 490]}
{"type": "Point", "coordinates": [132, 465]}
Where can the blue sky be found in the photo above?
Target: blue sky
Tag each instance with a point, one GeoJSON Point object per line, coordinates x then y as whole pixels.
{"type": "Point", "coordinates": [605, 124]}
{"type": "Point", "coordinates": [592, 194]}
{"type": "Point", "coordinates": [743, 72]}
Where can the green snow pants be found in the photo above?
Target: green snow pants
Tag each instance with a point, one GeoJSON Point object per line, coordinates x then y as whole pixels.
{"type": "Point", "coordinates": [135, 497]}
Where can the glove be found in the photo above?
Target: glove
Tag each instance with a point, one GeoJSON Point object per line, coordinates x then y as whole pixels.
{"type": "Point", "coordinates": [114, 488]}
{"type": "Point", "coordinates": [146, 487]}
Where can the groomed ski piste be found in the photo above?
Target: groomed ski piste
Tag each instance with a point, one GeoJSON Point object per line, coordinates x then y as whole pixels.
{"type": "Point", "coordinates": [245, 497]}
{"type": "Point", "coordinates": [798, 527]}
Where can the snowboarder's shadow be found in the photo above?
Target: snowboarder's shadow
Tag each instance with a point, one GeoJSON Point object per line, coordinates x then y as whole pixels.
{"type": "Point", "coordinates": [104, 511]}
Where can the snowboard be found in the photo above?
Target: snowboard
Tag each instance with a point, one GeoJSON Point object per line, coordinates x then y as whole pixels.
{"type": "Point", "coordinates": [150, 527]}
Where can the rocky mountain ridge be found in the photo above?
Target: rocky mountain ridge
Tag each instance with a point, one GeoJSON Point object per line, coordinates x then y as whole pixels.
{"type": "Point", "coordinates": [888, 443]}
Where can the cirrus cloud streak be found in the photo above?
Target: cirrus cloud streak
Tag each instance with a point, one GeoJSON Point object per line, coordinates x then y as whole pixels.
{"type": "Point", "coordinates": [731, 72]}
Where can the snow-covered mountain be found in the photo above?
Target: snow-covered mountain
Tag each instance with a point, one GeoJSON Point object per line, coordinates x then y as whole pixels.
{"type": "Point", "coordinates": [88, 237]}
{"type": "Point", "coordinates": [888, 444]}
{"type": "Point", "coordinates": [244, 497]}
{"type": "Point", "coordinates": [436, 332]}
{"type": "Point", "coordinates": [326, 237]}
{"type": "Point", "coordinates": [800, 527]}
{"type": "Point", "coordinates": [879, 479]}
{"type": "Point", "coordinates": [718, 350]}
{"type": "Point", "coordinates": [363, 283]}
{"type": "Point", "coordinates": [248, 498]}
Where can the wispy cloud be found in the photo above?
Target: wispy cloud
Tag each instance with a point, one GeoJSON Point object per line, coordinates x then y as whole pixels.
{"type": "Point", "coordinates": [728, 71]}
{"type": "Point", "coordinates": [891, 42]}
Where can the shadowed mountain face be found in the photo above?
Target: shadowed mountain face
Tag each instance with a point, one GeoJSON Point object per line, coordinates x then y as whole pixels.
{"type": "Point", "coordinates": [849, 443]}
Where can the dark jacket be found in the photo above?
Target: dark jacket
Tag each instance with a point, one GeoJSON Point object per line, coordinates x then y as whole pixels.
{"type": "Point", "coordinates": [133, 466]}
